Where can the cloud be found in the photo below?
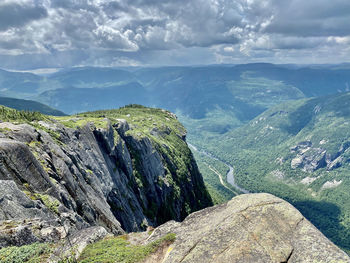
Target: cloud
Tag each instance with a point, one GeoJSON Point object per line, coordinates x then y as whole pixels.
{"type": "Point", "coordinates": [310, 18]}
{"type": "Point", "coordinates": [165, 31]}
{"type": "Point", "coordinates": [13, 15]}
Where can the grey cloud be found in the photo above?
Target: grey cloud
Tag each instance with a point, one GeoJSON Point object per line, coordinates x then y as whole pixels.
{"type": "Point", "coordinates": [168, 31]}
{"type": "Point", "coordinates": [16, 15]}
{"type": "Point", "coordinates": [311, 18]}
{"type": "Point", "coordinates": [288, 42]}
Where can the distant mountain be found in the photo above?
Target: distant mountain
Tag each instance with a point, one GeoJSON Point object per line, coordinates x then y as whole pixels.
{"type": "Point", "coordinates": [241, 91]}
{"type": "Point", "coordinates": [19, 84]}
{"type": "Point", "coordinates": [89, 99]}
{"type": "Point", "coordinates": [85, 77]}
{"type": "Point", "coordinates": [29, 105]}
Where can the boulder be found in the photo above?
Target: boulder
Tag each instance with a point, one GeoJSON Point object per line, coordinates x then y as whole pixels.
{"type": "Point", "coordinates": [249, 228]}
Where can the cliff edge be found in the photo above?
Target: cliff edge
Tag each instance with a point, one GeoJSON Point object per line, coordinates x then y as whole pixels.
{"type": "Point", "coordinates": [121, 169]}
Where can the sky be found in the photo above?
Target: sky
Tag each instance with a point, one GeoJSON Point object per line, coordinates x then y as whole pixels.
{"type": "Point", "coordinates": [68, 33]}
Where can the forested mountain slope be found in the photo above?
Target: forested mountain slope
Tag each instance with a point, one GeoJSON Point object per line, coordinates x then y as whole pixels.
{"type": "Point", "coordinates": [300, 151]}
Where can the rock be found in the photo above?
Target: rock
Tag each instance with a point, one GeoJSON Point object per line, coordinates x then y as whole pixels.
{"type": "Point", "coordinates": [331, 184]}
{"type": "Point", "coordinates": [308, 180]}
{"type": "Point", "coordinates": [25, 221]}
{"type": "Point", "coordinates": [249, 228]}
{"type": "Point", "coordinates": [77, 242]}
{"type": "Point", "coordinates": [336, 163]}
{"type": "Point", "coordinates": [301, 146]}
{"type": "Point", "coordinates": [16, 205]}
{"type": "Point", "coordinates": [85, 177]}
{"type": "Point", "coordinates": [296, 162]}
{"type": "Point", "coordinates": [122, 126]}
{"type": "Point", "coordinates": [308, 158]}
{"type": "Point", "coordinates": [278, 174]}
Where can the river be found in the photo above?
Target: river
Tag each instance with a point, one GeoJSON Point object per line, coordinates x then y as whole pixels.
{"type": "Point", "coordinates": [230, 175]}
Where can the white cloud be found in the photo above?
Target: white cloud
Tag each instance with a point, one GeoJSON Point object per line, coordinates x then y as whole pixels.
{"type": "Point", "coordinates": [141, 31]}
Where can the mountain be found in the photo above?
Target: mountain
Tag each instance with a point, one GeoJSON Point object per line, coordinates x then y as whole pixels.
{"type": "Point", "coordinates": [208, 87]}
{"type": "Point", "coordinates": [85, 77]}
{"type": "Point", "coordinates": [74, 100]}
{"type": "Point", "coordinates": [217, 98]}
{"type": "Point", "coordinates": [29, 105]}
{"type": "Point", "coordinates": [209, 100]}
{"type": "Point", "coordinates": [121, 169]}
{"type": "Point", "coordinates": [298, 150]}
{"type": "Point", "coordinates": [18, 84]}
{"type": "Point", "coordinates": [216, 104]}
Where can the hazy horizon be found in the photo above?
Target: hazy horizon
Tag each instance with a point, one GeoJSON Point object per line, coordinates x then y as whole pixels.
{"type": "Point", "coordinates": [49, 70]}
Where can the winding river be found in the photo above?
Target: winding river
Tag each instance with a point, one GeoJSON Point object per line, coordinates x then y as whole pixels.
{"type": "Point", "coordinates": [230, 176]}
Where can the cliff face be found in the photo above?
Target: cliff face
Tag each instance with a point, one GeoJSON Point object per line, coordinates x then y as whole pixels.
{"type": "Point", "coordinates": [123, 170]}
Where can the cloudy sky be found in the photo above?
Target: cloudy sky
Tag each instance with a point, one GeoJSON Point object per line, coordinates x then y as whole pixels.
{"type": "Point", "coordinates": [65, 33]}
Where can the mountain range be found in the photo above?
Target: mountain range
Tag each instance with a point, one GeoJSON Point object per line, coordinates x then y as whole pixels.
{"type": "Point", "coordinates": [283, 128]}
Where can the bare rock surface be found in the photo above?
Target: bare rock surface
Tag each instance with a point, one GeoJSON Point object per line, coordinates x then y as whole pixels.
{"type": "Point", "coordinates": [249, 228]}
{"type": "Point", "coordinates": [56, 180]}
{"type": "Point", "coordinates": [77, 242]}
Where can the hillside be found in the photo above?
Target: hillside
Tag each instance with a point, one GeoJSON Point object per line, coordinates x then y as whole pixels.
{"type": "Point", "coordinates": [18, 84]}
{"type": "Point", "coordinates": [299, 151]}
{"type": "Point", "coordinates": [29, 105]}
{"type": "Point", "coordinates": [73, 186]}
{"type": "Point", "coordinates": [75, 100]}
{"type": "Point", "coordinates": [210, 100]}
{"type": "Point", "coordinates": [216, 104]}
{"type": "Point", "coordinates": [121, 169]}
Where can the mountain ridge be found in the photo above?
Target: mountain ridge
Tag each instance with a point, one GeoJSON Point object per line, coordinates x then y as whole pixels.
{"type": "Point", "coordinates": [96, 170]}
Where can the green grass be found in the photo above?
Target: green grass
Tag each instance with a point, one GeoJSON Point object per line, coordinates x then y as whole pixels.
{"type": "Point", "coordinates": [34, 253]}
{"type": "Point", "coordinates": [118, 249]}
{"type": "Point", "coordinates": [49, 201]}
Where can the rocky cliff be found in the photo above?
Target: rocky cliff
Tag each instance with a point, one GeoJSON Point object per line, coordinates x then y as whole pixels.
{"type": "Point", "coordinates": [123, 169]}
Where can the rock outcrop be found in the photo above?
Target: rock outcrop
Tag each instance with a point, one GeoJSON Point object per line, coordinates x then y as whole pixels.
{"type": "Point", "coordinates": [310, 158]}
{"type": "Point", "coordinates": [249, 228]}
{"type": "Point", "coordinates": [56, 180]}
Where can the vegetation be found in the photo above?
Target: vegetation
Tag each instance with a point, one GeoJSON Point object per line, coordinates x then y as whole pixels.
{"type": "Point", "coordinates": [34, 253]}
{"type": "Point", "coordinates": [166, 133]}
{"type": "Point", "coordinates": [219, 106]}
{"type": "Point", "coordinates": [261, 154]}
{"type": "Point", "coordinates": [29, 105]}
{"type": "Point", "coordinates": [49, 201]}
{"type": "Point", "coordinates": [219, 193]}
{"type": "Point", "coordinates": [119, 249]}
{"type": "Point", "coordinates": [7, 114]}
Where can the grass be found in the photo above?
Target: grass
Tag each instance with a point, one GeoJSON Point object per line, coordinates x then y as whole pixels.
{"type": "Point", "coordinates": [118, 249]}
{"type": "Point", "coordinates": [50, 202]}
{"type": "Point", "coordinates": [34, 253]}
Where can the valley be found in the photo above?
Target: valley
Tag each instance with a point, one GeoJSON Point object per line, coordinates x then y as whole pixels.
{"type": "Point", "coordinates": [263, 128]}
{"type": "Point", "coordinates": [174, 131]}
{"type": "Point", "coordinates": [229, 177]}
